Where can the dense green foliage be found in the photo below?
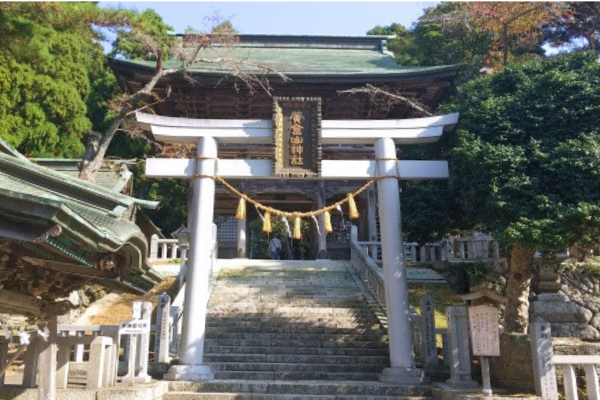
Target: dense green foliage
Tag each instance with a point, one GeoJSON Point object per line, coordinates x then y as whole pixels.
{"type": "Point", "coordinates": [526, 157]}
{"type": "Point", "coordinates": [431, 42]}
{"type": "Point", "coordinates": [54, 81]}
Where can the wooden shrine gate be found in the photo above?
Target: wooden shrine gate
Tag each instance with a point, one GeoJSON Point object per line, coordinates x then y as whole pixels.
{"type": "Point", "coordinates": [383, 134]}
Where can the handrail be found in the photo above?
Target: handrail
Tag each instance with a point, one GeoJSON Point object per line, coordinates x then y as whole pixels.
{"type": "Point", "coordinates": [463, 249]}
{"type": "Point", "coordinates": [372, 275]}
{"type": "Point", "coordinates": [159, 248]}
{"type": "Point", "coordinates": [589, 363]}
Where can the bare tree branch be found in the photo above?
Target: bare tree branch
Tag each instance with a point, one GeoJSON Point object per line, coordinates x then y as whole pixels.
{"type": "Point", "coordinates": [252, 75]}
{"type": "Point", "coordinates": [376, 92]}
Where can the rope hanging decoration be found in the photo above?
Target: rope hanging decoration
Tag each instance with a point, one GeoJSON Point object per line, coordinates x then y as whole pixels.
{"type": "Point", "coordinates": [296, 216]}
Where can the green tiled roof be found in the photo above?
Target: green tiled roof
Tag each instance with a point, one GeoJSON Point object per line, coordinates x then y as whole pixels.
{"type": "Point", "coordinates": [301, 56]}
{"type": "Point", "coordinates": [111, 176]}
{"type": "Point", "coordinates": [93, 221]}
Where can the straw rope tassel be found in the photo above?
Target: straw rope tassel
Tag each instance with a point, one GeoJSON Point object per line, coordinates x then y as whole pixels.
{"type": "Point", "coordinates": [297, 231]}
{"type": "Point", "coordinates": [352, 210]}
{"type": "Point", "coordinates": [241, 210]}
{"type": "Point", "coordinates": [327, 221]}
{"type": "Point", "coordinates": [267, 222]}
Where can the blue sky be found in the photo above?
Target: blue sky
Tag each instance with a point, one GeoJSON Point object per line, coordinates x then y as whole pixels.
{"type": "Point", "coordinates": [286, 17]}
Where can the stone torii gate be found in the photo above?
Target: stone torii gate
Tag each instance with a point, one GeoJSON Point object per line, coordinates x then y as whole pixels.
{"type": "Point", "coordinates": [383, 134]}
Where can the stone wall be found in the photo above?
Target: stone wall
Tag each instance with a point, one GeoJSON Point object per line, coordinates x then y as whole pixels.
{"type": "Point", "coordinates": [583, 290]}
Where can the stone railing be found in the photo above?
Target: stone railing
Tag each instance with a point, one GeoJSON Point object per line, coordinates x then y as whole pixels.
{"type": "Point", "coordinates": [464, 249]}
{"type": "Point", "coordinates": [168, 330]}
{"type": "Point", "coordinates": [367, 269]}
{"type": "Point", "coordinates": [589, 364]}
{"type": "Point", "coordinates": [163, 249]}
{"type": "Point", "coordinates": [424, 331]}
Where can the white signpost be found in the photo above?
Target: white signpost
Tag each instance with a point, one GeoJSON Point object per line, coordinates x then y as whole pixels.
{"type": "Point", "coordinates": [485, 339]}
{"type": "Point", "coordinates": [135, 328]}
{"type": "Point", "coordinates": [383, 134]}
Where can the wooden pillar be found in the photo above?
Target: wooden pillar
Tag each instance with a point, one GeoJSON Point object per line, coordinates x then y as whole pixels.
{"type": "Point", "coordinates": [191, 348]}
{"type": "Point", "coordinates": [322, 245]}
{"type": "Point", "coordinates": [403, 370]}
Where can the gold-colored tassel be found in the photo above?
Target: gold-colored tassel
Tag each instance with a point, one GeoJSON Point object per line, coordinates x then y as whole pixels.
{"type": "Point", "coordinates": [241, 210]}
{"type": "Point", "coordinates": [353, 211]}
{"type": "Point", "coordinates": [267, 222]}
{"type": "Point", "coordinates": [297, 232]}
{"type": "Point", "coordinates": [327, 221]}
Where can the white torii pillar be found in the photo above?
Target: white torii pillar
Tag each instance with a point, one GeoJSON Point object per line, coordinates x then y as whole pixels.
{"type": "Point", "coordinates": [191, 346]}
{"type": "Point", "coordinates": [402, 370]}
{"type": "Point", "coordinates": [206, 133]}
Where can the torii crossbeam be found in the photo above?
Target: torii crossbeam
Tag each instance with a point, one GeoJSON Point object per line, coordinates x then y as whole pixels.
{"type": "Point", "coordinates": [383, 134]}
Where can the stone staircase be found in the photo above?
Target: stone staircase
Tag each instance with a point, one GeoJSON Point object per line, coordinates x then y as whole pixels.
{"type": "Point", "coordinates": [292, 330]}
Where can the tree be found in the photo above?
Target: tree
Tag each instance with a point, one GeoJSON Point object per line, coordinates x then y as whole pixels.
{"type": "Point", "coordinates": [55, 83]}
{"type": "Point", "coordinates": [193, 54]}
{"type": "Point", "coordinates": [525, 162]}
{"type": "Point", "coordinates": [512, 30]}
{"type": "Point", "coordinates": [578, 27]}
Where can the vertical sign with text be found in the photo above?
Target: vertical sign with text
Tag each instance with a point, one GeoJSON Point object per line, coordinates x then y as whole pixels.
{"type": "Point", "coordinates": [297, 137]}
{"type": "Point", "coordinates": [485, 333]}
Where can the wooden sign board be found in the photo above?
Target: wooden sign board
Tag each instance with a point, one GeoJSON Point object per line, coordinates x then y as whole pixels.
{"type": "Point", "coordinates": [297, 137]}
{"type": "Point", "coordinates": [485, 333]}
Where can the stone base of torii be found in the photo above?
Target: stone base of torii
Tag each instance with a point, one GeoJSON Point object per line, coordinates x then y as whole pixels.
{"type": "Point", "coordinates": [384, 134]}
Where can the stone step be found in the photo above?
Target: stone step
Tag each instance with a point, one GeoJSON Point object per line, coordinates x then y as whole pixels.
{"type": "Point", "coordinates": [297, 323]}
{"type": "Point", "coordinates": [295, 358]}
{"type": "Point", "coordinates": [293, 328]}
{"type": "Point", "coordinates": [292, 313]}
{"type": "Point", "coordinates": [296, 368]}
{"type": "Point", "coordinates": [210, 348]}
{"type": "Point", "coordinates": [289, 301]}
{"type": "Point", "coordinates": [303, 336]}
{"type": "Point", "coordinates": [299, 342]}
{"type": "Point", "coordinates": [293, 285]}
{"type": "Point", "coordinates": [296, 375]}
{"type": "Point", "coordinates": [316, 321]}
{"type": "Point", "coordinates": [310, 388]}
{"type": "Point", "coordinates": [265, 396]}
{"type": "Point", "coordinates": [279, 310]}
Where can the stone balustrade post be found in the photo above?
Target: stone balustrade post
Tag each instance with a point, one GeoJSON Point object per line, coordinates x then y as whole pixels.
{"type": "Point", "coordinates": [101, 364]}
{"type": "Point", "coordinates": [62, 365]}
{"type": "Point", "coordinates": [461, 249]}
{"type": "Point", "coordinates": [423, 254]}
{"type": "Point", "coordinates": [470, 249]}
{"type": "Point", "coordinates": [154, 247]}
{"type": "Point", "coordinates": [79, 349]}
{"type": "Point", "coordinates": [163, 253]}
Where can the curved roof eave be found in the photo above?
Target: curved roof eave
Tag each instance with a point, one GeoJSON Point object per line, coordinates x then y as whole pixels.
{"type": "Point", "coordinates": [336, 76]}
